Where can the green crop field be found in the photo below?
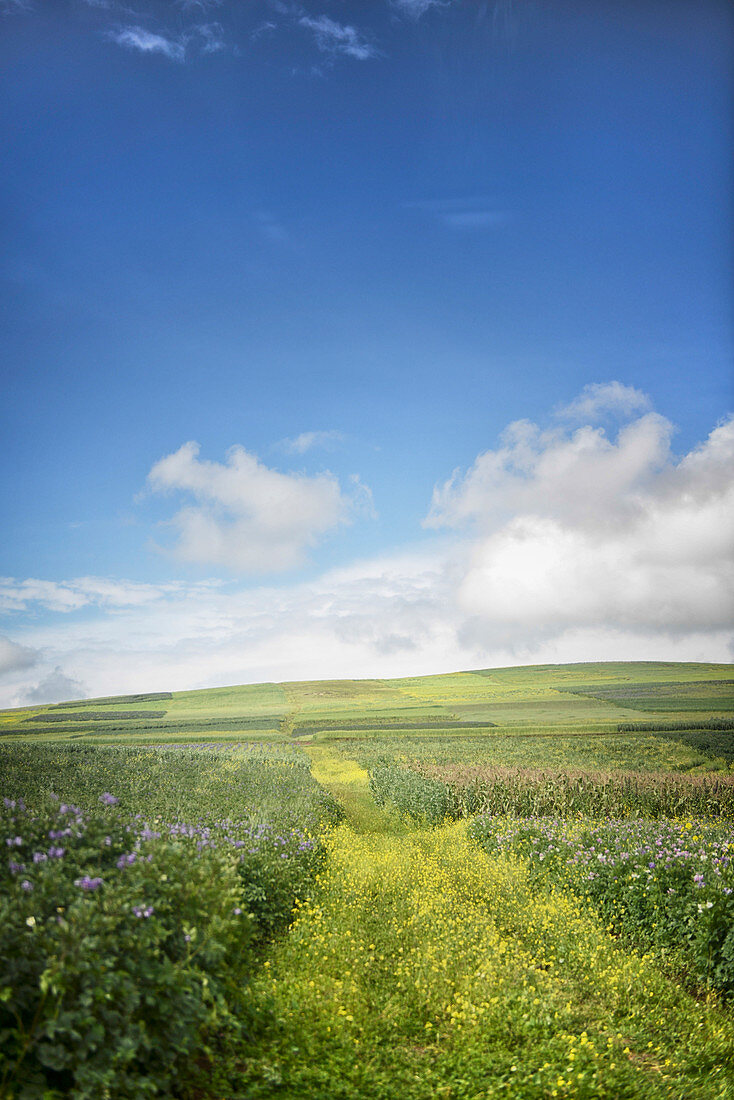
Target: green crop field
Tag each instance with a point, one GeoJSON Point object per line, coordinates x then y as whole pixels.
{"type": "Point", "coordinates": [504, 882]}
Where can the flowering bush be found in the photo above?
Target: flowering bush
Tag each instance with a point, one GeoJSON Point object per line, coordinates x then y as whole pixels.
{"type": "Point", "coordinates": [127, 945]}
{"type": "Point", "coordinates": [665, 884]}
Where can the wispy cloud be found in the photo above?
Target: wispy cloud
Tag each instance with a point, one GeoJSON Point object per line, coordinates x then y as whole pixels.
{"type": "Point", "coordinates": [212, 37]}
{"type": "Point", "coordinates": [207, 37]}
{"type": "Point", "coordinates": [307, 441]}
{"type": "Point", "coordinates": [415, 9]}
{"type": "Point", "coordinates": [472, 212]}
{"type": "Point", "coordinates": [601, 398]}
{"type": "Point", "coordinates": [15, 7]}
{"type": "Point", "coordinates": [198, 5]}
{"type": "Point", "coordinates": [138, 38]}
{"type": "Point", "coordinates": [83, 592]}
{"type": "Point", "coordinates": [334, 38]}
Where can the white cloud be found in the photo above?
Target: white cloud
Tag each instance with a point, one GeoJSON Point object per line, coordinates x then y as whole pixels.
{"type": "Point", "coordinates": [576, 530]}
{"type": "Point", "coordinates": [564, 545]}
{"type": "Point", "coordinates": [306, 441]}
{"type": "Point", "coordinates": [396, 615]}
{"type": "Point", "coordinates": [601, 398]}
{"type": "Point", "coordinates": [55, 688]}
{"type": "Point", "coordinates": [415, 9]}
{"type": "Point", "coordinates": [138, 38]}
{"type": "Point", "coordinates": [83, 592]}
{"type": "Point", "coordinates": [248, 517]}
{"type": "Point", "coordinates": [338, 38]}
{"type": "Point", "coordinates": [14, 657]}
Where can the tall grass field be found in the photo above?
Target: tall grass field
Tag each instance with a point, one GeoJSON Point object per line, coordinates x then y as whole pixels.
{"type": "Point", "coordinates": [511, 882]}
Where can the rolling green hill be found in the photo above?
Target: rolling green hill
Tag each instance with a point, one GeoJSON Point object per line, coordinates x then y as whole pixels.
{"type": "Point", "coordinates": [667, 712]}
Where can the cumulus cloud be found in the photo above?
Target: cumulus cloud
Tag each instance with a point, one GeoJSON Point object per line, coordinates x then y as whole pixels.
{"type": "Point", "coordinates": [562, 544]}
{"type": "Point", "coordinates": [55, 688]}
{"type": "Point", "coordinates": [393, 615]}
{"type": "Point", "coordinates": [247, 516]}
{"type": "Point", "coordinates": [14, 657]}
{"type": "Point", "coordinates": [573, 529]}
{"type": "Point", "coordinates": [306, 441]}
{"type": "Point", "coordinates": [338, 38]}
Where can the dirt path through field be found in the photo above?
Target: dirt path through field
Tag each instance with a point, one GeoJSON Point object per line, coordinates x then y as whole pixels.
{"type": "Point", "coordinates": [349, 784]}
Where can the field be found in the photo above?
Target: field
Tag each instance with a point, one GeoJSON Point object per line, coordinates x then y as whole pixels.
{"type": "Point", "coordinates": [505, 882]}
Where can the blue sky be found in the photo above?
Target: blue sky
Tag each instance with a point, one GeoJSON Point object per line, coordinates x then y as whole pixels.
{"type": "Point", "coordinates": [356, 242]}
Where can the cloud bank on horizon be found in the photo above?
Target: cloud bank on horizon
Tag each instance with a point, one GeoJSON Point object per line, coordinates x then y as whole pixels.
{"type": "Point", "coordinates": [585, 539]}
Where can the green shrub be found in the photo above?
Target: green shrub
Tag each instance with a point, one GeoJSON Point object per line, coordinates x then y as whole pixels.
{"type": "Point", "coordinates": [119, 954]}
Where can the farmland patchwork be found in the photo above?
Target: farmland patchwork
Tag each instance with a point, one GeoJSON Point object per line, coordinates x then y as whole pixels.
{"type": "Point", "coordinates": [509, 882]}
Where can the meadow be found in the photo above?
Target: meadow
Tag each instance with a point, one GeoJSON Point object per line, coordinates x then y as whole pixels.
{"type": "Point", "coordinates": [508, 882]}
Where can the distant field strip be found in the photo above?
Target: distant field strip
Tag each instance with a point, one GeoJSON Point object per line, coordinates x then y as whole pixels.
{"type": "Point", "coordinates": [701, 695]}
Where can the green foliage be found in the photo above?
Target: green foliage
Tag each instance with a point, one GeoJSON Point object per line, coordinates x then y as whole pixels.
{"type": "Point", "coordinates": [592, 751]}
{"type": "Point", "coordinates": [667, 886]}
{"type": "Point", "coordinates": [434, 794]}
{"type": "Point", "coordinates": [424, 800]}
{"type": "Point", "coordinates": [271, 784]}
{"type": "Point", "coordinates": [128, 938]}
{"type": "Point", "coordinates": [112, 974]}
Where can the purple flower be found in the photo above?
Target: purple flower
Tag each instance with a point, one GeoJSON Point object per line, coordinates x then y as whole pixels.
{"type": "Point", "coordinates": [55, 853]}
{"type": "Point", "coordinates": [87, 883]}
{"type": "Point", "coordinates": [143, 911]}
{"type": "Point", "coordinates": [127, 861]}
{"type": "Point", "coordinates": [39, 857]}
{"type": "Point", "coordinates": [26, 885]}
{"type": "Point", "coordinates": [108, 799]}
{"type": "Point", "coordinates": [14, 841]}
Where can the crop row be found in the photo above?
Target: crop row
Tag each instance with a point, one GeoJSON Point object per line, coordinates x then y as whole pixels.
{"type": "Point", "coordinates": [138, 887]}
{"type": "Point", "coordinates": [666, 886]}
{"type": "Point", "coordinates": [432, 794]}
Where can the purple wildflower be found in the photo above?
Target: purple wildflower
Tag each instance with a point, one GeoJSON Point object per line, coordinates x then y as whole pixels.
{"type": "Point", "coordinates": [87, 883]}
